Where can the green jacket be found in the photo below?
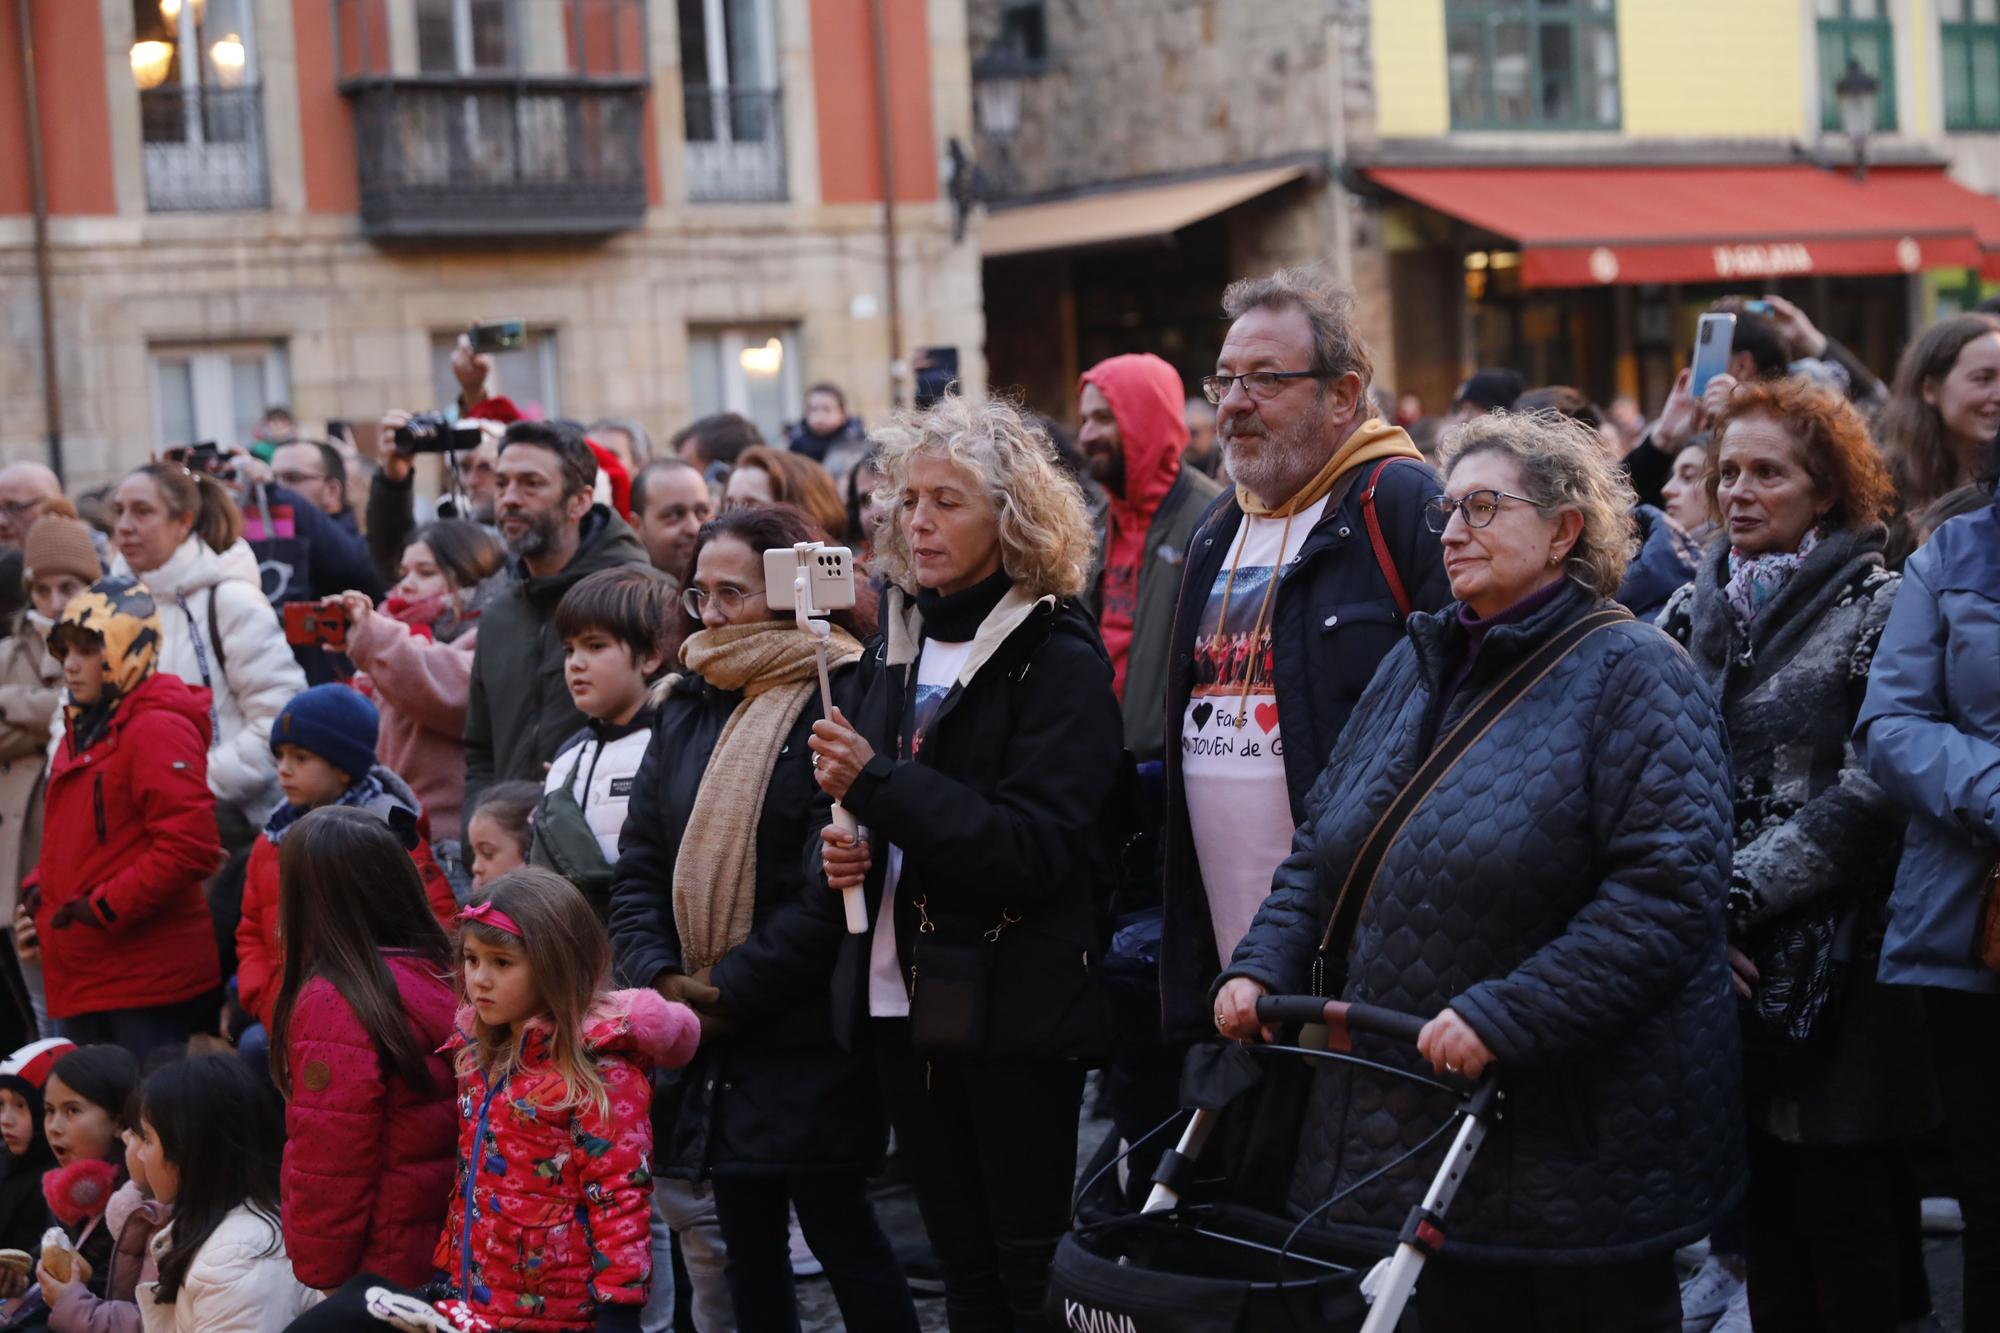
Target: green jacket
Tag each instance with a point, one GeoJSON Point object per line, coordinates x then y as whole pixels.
{"type": "Point", "coordinates": [1145, 701]}
{"type": "Point", "coordinates": [520, 712]}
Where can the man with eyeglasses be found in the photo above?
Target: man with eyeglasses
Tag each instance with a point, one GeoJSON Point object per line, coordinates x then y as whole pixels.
{"type": "Point", "coordinates": [1297, 586]}
{"type": "Point", "coordinates": [24, 489]}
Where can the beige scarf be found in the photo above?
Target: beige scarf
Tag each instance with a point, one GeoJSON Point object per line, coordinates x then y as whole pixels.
{"type": "Point", "coordinates": [715, 876]}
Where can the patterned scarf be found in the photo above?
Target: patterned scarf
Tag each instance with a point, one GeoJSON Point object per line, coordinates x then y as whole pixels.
{"type": "Point", "coordinates": [358, 795]}
{"type": "Point", "coordinates": [1754, 580]}
{"type": "Point", "coordinates": [776, 668]}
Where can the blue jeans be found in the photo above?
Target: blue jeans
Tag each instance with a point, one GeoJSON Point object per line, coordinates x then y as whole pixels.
{"type": "Point", "coordinates": [840, 1225]}
{"type": "Point", "coordinates": [140, 1031]}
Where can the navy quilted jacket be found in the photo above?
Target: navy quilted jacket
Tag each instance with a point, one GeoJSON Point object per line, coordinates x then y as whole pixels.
{"type": "Point", "coordinates": [1562, 889]}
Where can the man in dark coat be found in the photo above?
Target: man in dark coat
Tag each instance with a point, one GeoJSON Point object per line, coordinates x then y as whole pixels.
{"type": "Point", "coordinates": [1297, 562]}
{"type": "Point", "coordinates": [520, 710]}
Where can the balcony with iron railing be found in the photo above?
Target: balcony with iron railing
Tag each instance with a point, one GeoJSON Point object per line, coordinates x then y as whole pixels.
{"type": "Point", "coordinates": [204, 148]}
{"type": "Point", "coordinates": [735, 145]}
{"type": "Point", "coordinates": [512, 134]}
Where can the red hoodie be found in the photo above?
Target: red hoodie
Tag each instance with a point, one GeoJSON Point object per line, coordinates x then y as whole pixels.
{"type": "Point", "coordinates": [1147, 399]}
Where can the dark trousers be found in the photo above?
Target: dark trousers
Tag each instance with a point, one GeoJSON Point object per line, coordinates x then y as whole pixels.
{"type": "Point", "coordinates": [992, 1146]}
{"type": "Point", "coordinates": [1965, 1037]}
{"type": "Point", "coordinates": [1822, 1234]}
{"type": "Point", "coordinates": [839, 1224]}
{"type": "Point", "coordinates": [1637, 1296]}
{"type": "Point", "coordinates": [140, 1031]}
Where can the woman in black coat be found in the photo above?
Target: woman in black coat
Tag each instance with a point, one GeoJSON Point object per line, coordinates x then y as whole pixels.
{"type": "Point", "coordinates": [1555, 905]}
{"type": "Point", "coordinates": [711, 906]}
{"type": "Point", "coordinates": [979, 751]}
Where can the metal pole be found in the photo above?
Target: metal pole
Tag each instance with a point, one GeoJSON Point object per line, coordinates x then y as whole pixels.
{"type": "Point", "coordinates": [878, 22]}
{"type": "Point", "coordinates": [39, 187]}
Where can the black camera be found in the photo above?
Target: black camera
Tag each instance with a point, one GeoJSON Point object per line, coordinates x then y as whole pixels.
{"type": "Point", "coordinates": [207, 457]}
{"type": "Point", "coordinates": [434, 433]}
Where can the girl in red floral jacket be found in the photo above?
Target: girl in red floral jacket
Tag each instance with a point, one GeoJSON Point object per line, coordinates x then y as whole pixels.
{"type": "Point", "coordinates": [549, 1223]}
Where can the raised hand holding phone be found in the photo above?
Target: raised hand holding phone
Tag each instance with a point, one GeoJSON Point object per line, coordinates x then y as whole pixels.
{"type": "Point", "coordinates": [811, 580]}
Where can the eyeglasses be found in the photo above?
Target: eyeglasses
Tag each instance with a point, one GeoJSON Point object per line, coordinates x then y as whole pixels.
{"type": "Point", "coordinates": [1259, 384]}
{"type": "Point", "coordinates": [1478, 509]}
{"type": "Point", "coordinates": [731, 600]}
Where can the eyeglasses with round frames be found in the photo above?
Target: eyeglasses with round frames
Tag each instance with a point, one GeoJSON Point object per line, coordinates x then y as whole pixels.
{"type": "Point", "coordinates": [1477, 507]}
{"type": "Point", "coordinates": [731, 600]}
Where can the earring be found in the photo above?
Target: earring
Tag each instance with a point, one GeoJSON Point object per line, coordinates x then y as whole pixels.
{"type": "Point", "coordinates": [1554, 559]}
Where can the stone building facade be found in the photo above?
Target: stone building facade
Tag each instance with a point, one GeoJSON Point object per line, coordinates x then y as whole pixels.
{"type": "Point", "coordinates": [724, 268]}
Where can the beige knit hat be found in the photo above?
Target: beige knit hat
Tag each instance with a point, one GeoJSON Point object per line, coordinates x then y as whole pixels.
{"type": "Point", "coordinates": [58, 545]}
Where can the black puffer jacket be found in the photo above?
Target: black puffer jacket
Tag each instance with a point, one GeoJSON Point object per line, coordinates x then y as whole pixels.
{"type": "Point", "coordinates": [1562, 889]}
{"type": "Point", "coordinates": [1000, 815]}
{"type": "Point", "coordinates": [776, 1094]}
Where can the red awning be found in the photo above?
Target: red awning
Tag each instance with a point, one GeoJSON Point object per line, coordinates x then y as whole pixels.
{"type": "Point", "coordinates": [1590, 226]}
{"type": "Point", "coordinates": [1941, 197]}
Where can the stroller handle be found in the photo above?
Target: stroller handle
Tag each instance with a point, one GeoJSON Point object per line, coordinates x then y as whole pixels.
{"type": "Point", "coordinates": [1340, 1018]}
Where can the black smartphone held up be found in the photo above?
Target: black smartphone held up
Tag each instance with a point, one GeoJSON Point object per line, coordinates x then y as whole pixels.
{"type": "Point", "coordinates": [500, 335]}
{"type": "Point", "coordinates": [339, 431]}
{"type": "Point", "coordinates": [937, 372]}
{"type": "Point", "coordinates": [208, 457]}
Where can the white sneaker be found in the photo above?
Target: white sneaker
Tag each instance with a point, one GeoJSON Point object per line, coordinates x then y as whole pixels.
{"type": "Point", "coordinates": [1735, 1319]}
{"type": "Point", "coordinates": [1708, 1295]}
{"type": "Point", "coordinates": [804, 1263]}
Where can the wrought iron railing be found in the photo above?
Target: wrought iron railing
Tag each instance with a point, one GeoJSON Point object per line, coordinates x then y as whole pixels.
{"type": "Point", "coordinates": [204, 149]}
{"type": "Point", "coordinates": [735, 145]}
{"type": "Point", "coordinates": [499, 155]}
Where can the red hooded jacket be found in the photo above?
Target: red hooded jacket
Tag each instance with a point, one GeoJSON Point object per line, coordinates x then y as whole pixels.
{"type": "Point", "coordinates": [368, 1159]}
{"type": "Point", "coordinates": [1151, 409]}
{"type": "Point", "coordinates": [552, 1210]}
{"type": "Point", "coordinates": [128, 838]}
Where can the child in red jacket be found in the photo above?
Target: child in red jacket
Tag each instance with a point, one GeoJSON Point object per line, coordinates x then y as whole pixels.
{"type": "Point", "coordinates": [118, 916]}
{"type": "Point", "coordinates": [548, 1225]}
{"type": "Point", "coordinates": [325, 744]}
{"type": "Point", "coordinates": [366, 1006]}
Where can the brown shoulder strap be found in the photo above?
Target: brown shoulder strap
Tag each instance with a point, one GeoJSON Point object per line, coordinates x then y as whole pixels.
{"type": "Point", "coordinates": [1478, 720]}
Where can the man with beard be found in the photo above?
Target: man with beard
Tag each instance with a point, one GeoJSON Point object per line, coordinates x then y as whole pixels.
{"type": "Point", "coordinates": [1312, 564]}
{"type": "Point", "coordinates": [1134, 430]}
{"type": "Point", "coordinates": [520, 710]}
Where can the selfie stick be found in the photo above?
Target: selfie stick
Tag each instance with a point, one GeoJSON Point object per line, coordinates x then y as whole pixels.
{"type": "Point", "coordinates": [803, 612]}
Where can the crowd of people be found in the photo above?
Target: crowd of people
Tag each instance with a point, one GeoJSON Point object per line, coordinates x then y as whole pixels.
{"type": "Point", "coordinates": [435, 914]}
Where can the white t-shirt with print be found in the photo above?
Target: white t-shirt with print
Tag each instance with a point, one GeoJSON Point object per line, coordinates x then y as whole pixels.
{"type": "Point", "coordinates": [938, 665]}
{"type": "Point", "coordinates": [1232, 750]}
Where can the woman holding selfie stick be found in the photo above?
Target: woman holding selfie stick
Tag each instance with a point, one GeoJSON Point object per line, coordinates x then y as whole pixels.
{"type": "Point", "coordinates": [710, 905]}
{"type": "Point", "coordinates": [980, 749]}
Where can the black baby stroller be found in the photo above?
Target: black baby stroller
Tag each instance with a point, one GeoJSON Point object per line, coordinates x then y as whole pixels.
{"type": "Point", "coordinates": [1188, 1266]}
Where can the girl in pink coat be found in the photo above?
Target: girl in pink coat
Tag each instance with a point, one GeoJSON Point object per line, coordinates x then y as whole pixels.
{"type": "Point", "coordinates": [360, 1020]}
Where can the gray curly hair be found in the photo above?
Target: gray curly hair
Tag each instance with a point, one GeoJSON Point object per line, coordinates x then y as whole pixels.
{"type": "Point", "coordinates": [1563, 466]}
{"type": "Point", "coordinates": [1045, 533]}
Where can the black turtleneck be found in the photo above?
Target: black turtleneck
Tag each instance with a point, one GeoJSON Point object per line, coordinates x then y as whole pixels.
{"type": "Point", "coordinates": [956, 617]}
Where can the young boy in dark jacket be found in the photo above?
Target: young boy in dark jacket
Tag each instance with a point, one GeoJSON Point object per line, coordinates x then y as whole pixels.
{"type": "Point", "coordinates": [325, 744]}
{"type": "Point", "coordinates": [116, 911]}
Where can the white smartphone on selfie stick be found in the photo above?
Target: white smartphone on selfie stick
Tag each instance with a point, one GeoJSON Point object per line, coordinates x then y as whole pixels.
{"type": "Point", "coordinates": [811, 580]}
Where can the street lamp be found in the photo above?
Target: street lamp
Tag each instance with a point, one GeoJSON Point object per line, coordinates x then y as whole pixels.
{"type": "Point", "coordinates": [1857, 90]}
{"type": "Point", "coordinates": [997, 81]}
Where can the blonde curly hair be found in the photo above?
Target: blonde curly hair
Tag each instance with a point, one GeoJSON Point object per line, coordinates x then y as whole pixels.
{"type": "Point", "coordinates": [1045, 534]}
{"type": "Point", "coordinates": [1563, 465]}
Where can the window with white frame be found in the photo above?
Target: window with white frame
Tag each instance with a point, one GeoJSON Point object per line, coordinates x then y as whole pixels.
{"type": "Point", "coordinates": [216, 391]}
{"type": "Point", "coordinates": [527, 375]}
{"type": "Point", "coordinates": [200, 105]}
{"type": "Point", "coordinates": [729, 78]}
{"type": "Point", "coordinates": [752, 371]}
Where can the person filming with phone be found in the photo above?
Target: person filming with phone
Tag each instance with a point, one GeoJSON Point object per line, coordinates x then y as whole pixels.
{"type": "Point", "coordinates": [711, 905]}
{"type": "Point", "coordinates": [979, 751]}
{"type": "Point", "coordinates": [1523, 835]}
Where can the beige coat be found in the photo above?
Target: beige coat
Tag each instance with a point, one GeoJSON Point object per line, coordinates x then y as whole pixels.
{"type": "Point", "coordinates": [30, 695]}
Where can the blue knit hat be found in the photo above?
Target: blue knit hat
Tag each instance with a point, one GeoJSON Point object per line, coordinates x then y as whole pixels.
{"type": "Point", "coordinates": [333, 722]}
